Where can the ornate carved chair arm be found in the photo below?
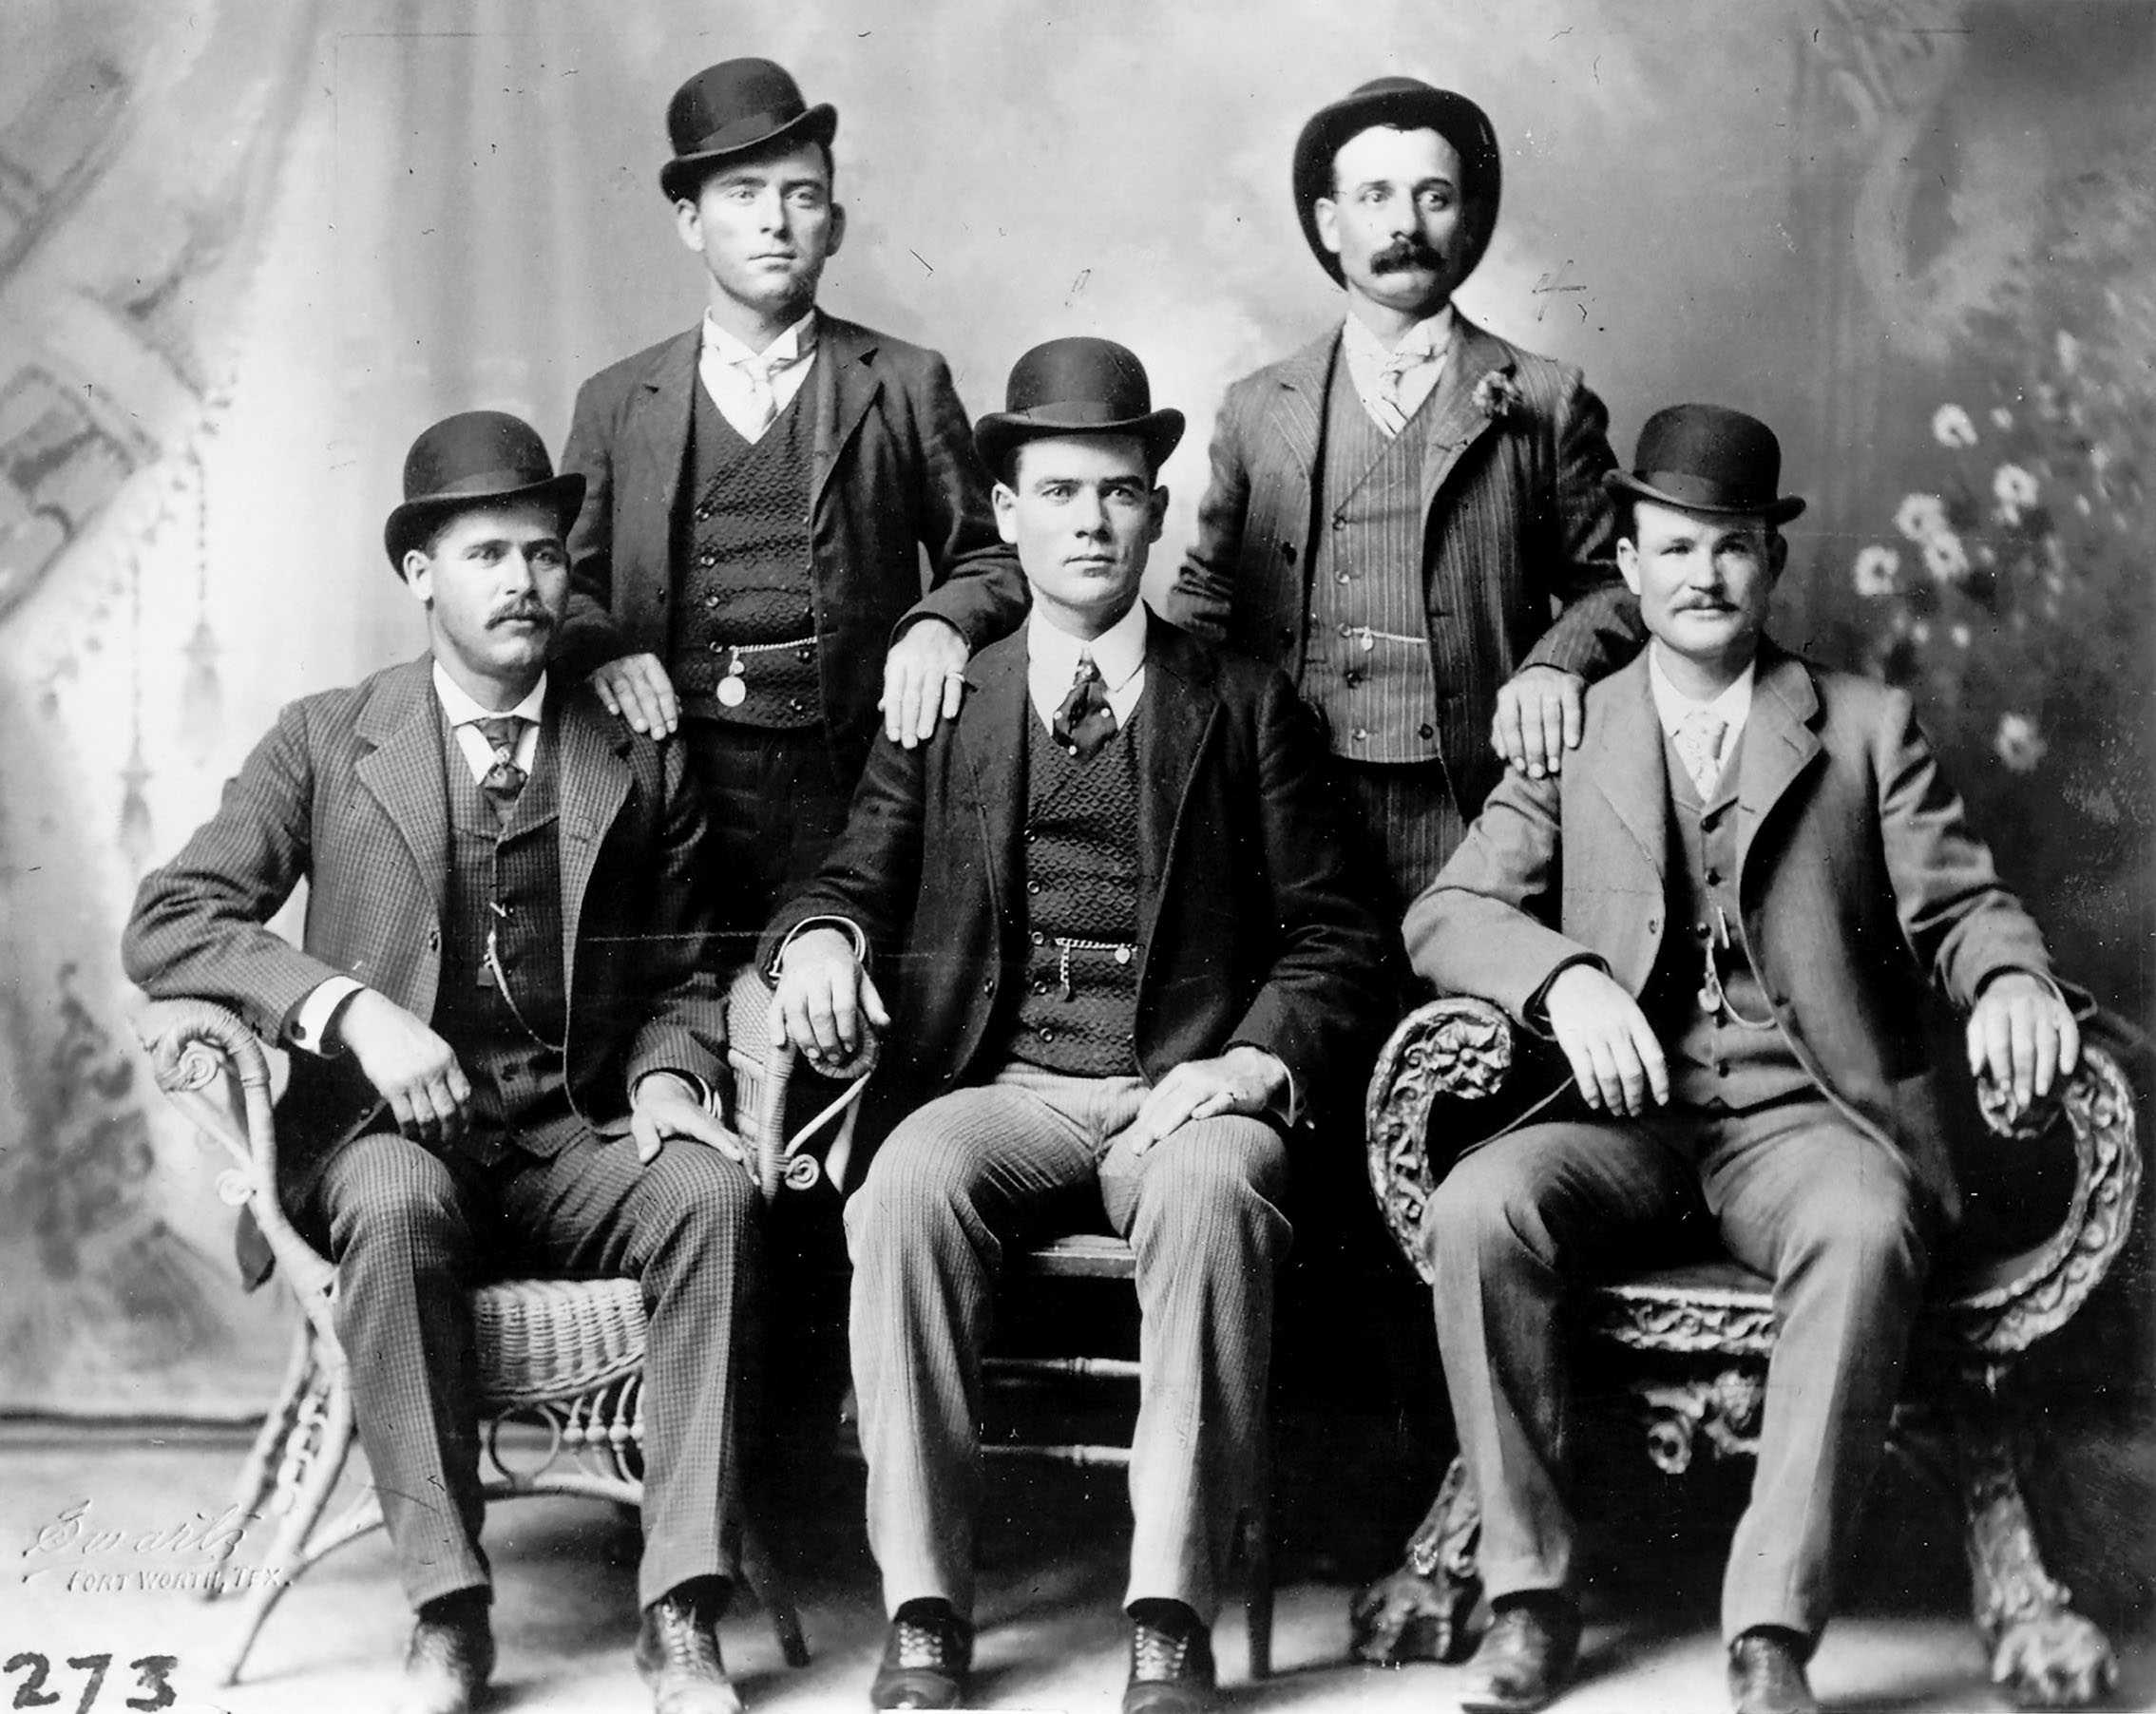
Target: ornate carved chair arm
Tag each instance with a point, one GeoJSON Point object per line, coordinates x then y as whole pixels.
{"type": "Point", "coordinates": [212, 1069]}
{"type": "Point", "coordinates": [1455, 1048]}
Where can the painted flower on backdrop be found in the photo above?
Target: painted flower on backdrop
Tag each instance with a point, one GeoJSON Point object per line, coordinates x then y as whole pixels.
{"type": "Point", "coordinates": [2020, 745]}
{"type": "Point", "coordinates": [1951, 427]}
{"type": "Point", "coordinates": [1876, 568]}
{"type": "Point", "coordinates": [1920, 516]}
{"type": "Point", "coordinates": [1497, 396]}
{"type": "Point", "coordinates": [1945, 558]}
{"type": "Point", "coordinates": [2015, 491]}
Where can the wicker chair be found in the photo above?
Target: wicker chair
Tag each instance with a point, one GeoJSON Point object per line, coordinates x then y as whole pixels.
{"type": "Point", "coordinates": [563, 1356]}
{"type": "Point", "coordinates": [1690, 1347]}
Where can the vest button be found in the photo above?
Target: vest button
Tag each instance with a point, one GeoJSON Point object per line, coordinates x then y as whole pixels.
{"type": "Point", "coordinates": [433, 939]}
{"type": "Point", "coordinates": [1339, 521]}
{"type": "Point", "coordinates": [1039, 939]}
{"type": "Point", "coordinates": [1047, 1034]}
{"type": "Point", "coordinates": [805, 653]}
{"type": "Point", "coordinates": [1287, 552]}
{"type": "Point", "coordinates": [1353, 676]}
{"type": "Point", "coordinates": [1715, 877]}
{"type": "Point", "coordinates": [987, 984]}
{"type": "Point", "coordinates": [1033, 887]}
{"type": "Point", "coordinates": [1426, 730]}
{"type": "Point", "coordinates": [1042, 986]}
{"type": "Point", "coordinates": [716, 646]}
{"type": "Point", "coordinates": [711, 600]}
{"type": "Point", "coordinates": [1362, 734]}
{"type": "Point", "coordinates": [707, 558]}
{"type": "Point", "coordinates": [794, 704]}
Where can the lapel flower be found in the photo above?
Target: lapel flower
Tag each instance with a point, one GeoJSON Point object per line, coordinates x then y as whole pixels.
{"type": "Point", "coordinates": [1498, 396]}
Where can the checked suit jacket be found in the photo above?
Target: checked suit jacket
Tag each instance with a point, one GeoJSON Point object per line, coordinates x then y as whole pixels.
{"type": "Point", "coordinates": [892, 472]}
{"type": "Point", "coordinates": [1517, 527]}
{"type": "Point", "coordinates": [1249, 925]}
{"type": "Point", "coordinates": [347, 793]}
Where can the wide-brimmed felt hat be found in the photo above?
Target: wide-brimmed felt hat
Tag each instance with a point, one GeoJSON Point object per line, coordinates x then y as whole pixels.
{"type": "Point", "coordinates": [1707, 458]}
{"type": "Point", "coordinates": [731, 107]}
{"type": "Point", "coordinates": [1410, 104]}
{"type": "Point", "coordinates": [1077, 386]}
{"type": "Point", "coordinates": [475, 458]}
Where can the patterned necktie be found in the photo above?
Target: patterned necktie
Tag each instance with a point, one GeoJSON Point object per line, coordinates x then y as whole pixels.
{"type": "Point", "coordinates": [763, 398]}
{"type": "Point", "coordinates": [1084, 720]}
{"type": "Point", "coordinates": [1699, 746]}
{"type": "Point", "coordinates": [505, 780]}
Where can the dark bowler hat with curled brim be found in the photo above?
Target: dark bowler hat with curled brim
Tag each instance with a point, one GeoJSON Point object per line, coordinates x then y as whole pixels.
{"type": "Point", "coordinates": [1707, 458]}
{"type": "Point", "coordinates": [1077, 386]}
{"type": "Point", "coordinates": [1407, 103]}
{"type": "Point", "coordinates": [475, 458]}
{"type": "Point", "coordinates": [730, 109]}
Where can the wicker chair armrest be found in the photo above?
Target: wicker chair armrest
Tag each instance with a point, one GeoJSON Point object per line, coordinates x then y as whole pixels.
{"type": "Point", "coordinates": [1458, 1048]}
{"type": "Point", "coordinates": [211, 1066]}
{"type": "Point", "coordinates": [763, 1070]}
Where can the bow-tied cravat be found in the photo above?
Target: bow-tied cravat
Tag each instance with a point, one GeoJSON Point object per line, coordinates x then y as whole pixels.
{"type": "Point", "coordinates": [1699, 746]}
{"type": "Point", "coordinates": [504, 781]}
{"type": "Point", "coordinates": [1084, 720]}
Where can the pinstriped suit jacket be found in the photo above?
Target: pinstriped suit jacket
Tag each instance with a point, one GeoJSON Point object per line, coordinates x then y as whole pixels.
{"type": "Point", "coordinates": [346, 793]}
{"type": "Point", "coordinates": [1518, 523]}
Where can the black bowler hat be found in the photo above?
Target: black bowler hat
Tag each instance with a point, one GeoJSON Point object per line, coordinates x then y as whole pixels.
{"type": "Point", "coordinates": [1077, 386]}
{"type": "Point", "coordinates": [1410, 104]}
{"type": "Point", "coordinates": [475, 458]}
{"type": "Point", "coordinates": [733, 106]}
{"type": "Point", "coordinates": [1706, 458]}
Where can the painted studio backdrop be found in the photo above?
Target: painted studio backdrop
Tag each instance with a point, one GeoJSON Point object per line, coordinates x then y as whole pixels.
{"type": "Point", "coordinates": [248, 248]}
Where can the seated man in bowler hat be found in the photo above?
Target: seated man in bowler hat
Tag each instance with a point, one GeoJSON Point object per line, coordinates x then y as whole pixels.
{"type": "Point", "coordinates": [1730, 912]}
{"type": "Point", "coordinates": [1110, 909]}
{"type": "Point", "coordinates": [748, 566]}
{"type": "Point", "coordinates": [507, 1042]}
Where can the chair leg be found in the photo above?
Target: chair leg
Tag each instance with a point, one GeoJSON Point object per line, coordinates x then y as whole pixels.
{"type": "Point", "coordinates": [775, 1594]}
{"type": "Point", "coordinates": [311, 1459]}
{"type": "Point", "coordinates": [1258, 1593]}
{"type": "Point", "coordinates": [258, 1475]}
{"type": "Point", "coordinates": [1421, 1612]}
{"type": "Point", "coordinates": [2044, 1653]}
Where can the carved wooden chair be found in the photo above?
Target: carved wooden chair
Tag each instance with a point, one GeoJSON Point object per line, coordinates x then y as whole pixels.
{"type": "Point", "coordinates": [563, 1357]}
{"type": "Point", "coordinates": [1690, 1346]}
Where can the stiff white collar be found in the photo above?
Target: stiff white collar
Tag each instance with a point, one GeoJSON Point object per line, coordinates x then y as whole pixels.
{"type": "Point", "coordinates": [461, 709]}
{"type": "Point", "coordinates": [796, 343]}
{"type": "Point", "coordinates": [1732, 707]}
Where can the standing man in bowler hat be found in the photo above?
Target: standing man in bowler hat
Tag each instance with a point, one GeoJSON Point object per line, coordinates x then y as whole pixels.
{"type": "Point", "coordinates": [1730, 912]}
{"type": "Point", "coordinates": [762, 486]}
{"type": "Point", "coordinates": [507, 1042]}
{"type": "Point", "coordinates": [1112, 914]}
{"type": "Point", "coordinates": [1395, 509]}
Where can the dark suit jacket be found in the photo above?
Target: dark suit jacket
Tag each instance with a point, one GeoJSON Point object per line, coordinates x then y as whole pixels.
{"type": "Point", "coordinates": [892, 471]}
{"type": "Point", "coordinates": [347, 792]}
{"type": "Point", "coordinates": [1861, 886]}
{"type": "Point", "coordinates": [1250, 930]}
{"type": "Point", "coordinates": [1517, 522]}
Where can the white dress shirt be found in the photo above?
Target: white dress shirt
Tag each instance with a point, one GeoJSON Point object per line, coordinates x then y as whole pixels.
{"type": "Point", "coordinates": [751, 387]}
{"type": "Point", "coordinates": [1051, 662]}
{"type": "Point", "coordinates": [1393, 381]}
{"type": "Point", "coordinates": [1734, 707]}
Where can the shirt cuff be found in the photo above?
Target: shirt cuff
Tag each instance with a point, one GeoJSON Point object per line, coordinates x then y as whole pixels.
{"type": "Point", "coordinates": [1535, 1015]}
{"type": "Point", "coordinates": [699, 1092]}
{"type": "Point", "coordinates": [314, 1016]}
{"type": "Point", "coordinates": [845, 925]}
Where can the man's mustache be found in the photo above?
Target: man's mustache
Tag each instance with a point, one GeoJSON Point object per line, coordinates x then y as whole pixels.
{"type": "Point", "coordinates": [529, 612]}
{"type": "Point", "coordinates": [1403, 253]}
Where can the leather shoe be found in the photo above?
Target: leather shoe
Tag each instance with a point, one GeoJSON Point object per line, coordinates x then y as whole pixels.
{"type": "Point", "coordinates": [925, 1659]}
{"type": "Point", "coordinates": [1526, 1657]}
{"type": "Point", "coordinates": [449, 1659]}
{"type": "Point", "coordinates": [1170, 1664]}
{"type": "Point", "coordinates": [1766, 1675]}
{"type": "Point", "coordinates": [677, 1655]}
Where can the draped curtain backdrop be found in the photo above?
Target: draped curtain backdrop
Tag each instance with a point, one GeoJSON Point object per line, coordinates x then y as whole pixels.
{"type": "Point", "coordinates": [248, 248]}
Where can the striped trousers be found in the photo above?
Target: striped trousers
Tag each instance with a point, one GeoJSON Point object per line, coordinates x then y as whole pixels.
{"type": "Point", "coordinates": [1030, 1155]}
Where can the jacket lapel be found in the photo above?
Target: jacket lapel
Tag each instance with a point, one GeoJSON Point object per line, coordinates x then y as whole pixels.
{"type": "Point", "coordinates": [1299, 415]}
{"type": "Point", "coordinates": [992, 737]}
{"type": "Point", "coordinates": [847, 384]}
{"type": "Point", "coordinates": [1620, 756]}
{"type": "Point", "coordinates": [403, 768]}
{"type": "Point", "coordinates": [1455, 421]}
{"type": "Point", "coordinates": [592, 785]}
{"type": "Point", "coordinates": [659, 429]}
{"type": "Point", "coordinates": [1178, 708]}
{"type": "Point", "coordinates": [1778, 743]}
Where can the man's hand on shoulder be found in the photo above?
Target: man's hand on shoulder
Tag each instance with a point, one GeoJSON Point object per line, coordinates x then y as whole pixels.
{"type": "Point", "coordinates": [1541, 715]}
{"type": "Point", "coordinates": [2022, 1036]}
{"type": "Point", "coordinates": [924, 680]}
{"type": "Point", "coordinates": [1244, 1079]}
{"type": "Point", "coordinates": [1614, 1056]}
{"type": "Point", "coordinates": [636, 688]}
{"type": "Point", "coordinates": [414, 1070]}
{"type": "Point", "coordinates": [826, 999]}
{"type": "Point", "coordinates": [663, 1105]}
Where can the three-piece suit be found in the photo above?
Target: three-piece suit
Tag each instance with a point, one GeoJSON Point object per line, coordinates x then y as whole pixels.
{"type": "Point", "coordinates": [784, 565]}
{"type": "Point", "coordinates": [1052, 937]}
{"type": "Point", "coordinates": [1829, 876]}
{"type": "Point", "coordinates": [562, 947]}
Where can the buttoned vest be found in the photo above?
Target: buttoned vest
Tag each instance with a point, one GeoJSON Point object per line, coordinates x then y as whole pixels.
{"type": "Point", "coordinates": [1078, 1011]}
{"type": "Point", "coordinates": [1378, 694]}
{"type": "Point", "coordinates": [742, 568]}
{"type": "Point", "coordinates": [505, 878]}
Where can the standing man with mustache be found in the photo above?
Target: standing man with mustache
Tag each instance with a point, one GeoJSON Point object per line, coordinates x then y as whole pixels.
{"type": "Point", "coordinates": [1395, 509]}
{"type": "Point", "coordinates": [763, 486]}
{"type": "Point", "coordinates": [508, 1040]}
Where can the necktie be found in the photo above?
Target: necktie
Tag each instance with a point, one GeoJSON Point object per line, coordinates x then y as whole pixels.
{"type": "Point", "coordinates": [1699, 746]}
{"type": "Point", "coordinates": [763, 399]}
{"type": "Point", "coordinates": [1084, 720]}
{"type": "Point", "coordinates": [505, 780]}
